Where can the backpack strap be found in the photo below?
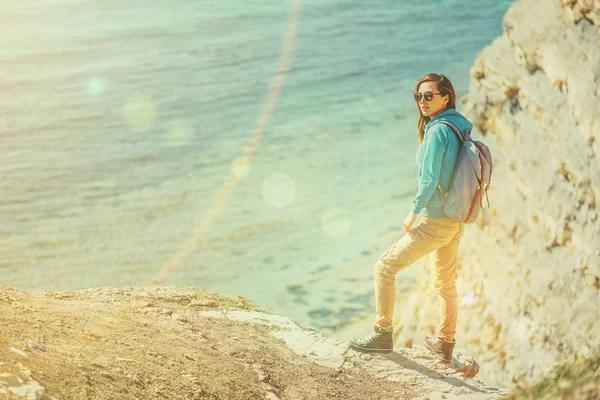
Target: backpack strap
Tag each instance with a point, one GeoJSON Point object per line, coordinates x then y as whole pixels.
{"type": "Point", "coordinates": [460, 138]}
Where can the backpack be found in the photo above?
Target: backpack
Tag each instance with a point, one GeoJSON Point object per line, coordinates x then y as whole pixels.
{"type": "Point", "coordinates": [470, 181]}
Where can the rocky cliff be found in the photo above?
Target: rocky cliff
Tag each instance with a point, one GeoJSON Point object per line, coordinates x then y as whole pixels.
{"type": "Point", "coordinates": [184, 343]}
{"type": "Point", "coordinates": [529, 276]}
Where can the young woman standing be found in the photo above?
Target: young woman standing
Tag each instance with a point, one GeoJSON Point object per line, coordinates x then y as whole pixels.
{"type": "Point", "coordinates": [438, 150]}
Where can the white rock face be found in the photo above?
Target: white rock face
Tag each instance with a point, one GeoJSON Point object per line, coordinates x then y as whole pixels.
{"type": "Point", "coordinates": [415, 366]}
{"type": "Point", "coordinates": [324, 351]}
{"type": "Point", "coordinates": [529, 277]}
{"type": "Point", "coordinates": [254, 317]}
{"type": "Point", "coordinates": [21, 386]}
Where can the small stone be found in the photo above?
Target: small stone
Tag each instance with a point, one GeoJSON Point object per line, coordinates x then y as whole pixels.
{"type": "Point", "coordinates": [166, 311]}
{"type": "Point", "coordinates": [203, 303]}
{"type": "Point", "coordinates": [201, 338]}
{"type": "Point", "coordinates": [19, 352]}
{"type": "Point", "coordinates": [136, 379]}
{"type": "Point", "coordinates": [259, 371]}
{"type": "Point", "coordinates": [37, 389]}
{"type": "Point", "coordinates": [175, 316]}
{"type": "Point", "coordinates": [33, 345]}
{"type": "Point", "coordinates": [24, 373]}
{"type": "Point", "coordinates": [190, 377]}
{"type": "Point", "coordinates": [106, 374]}
{"type": "Point", "coordinates": [10, 379]}
{"type": "Point", "coordinates": [20, 391]}
{"type": "Point", "coordinates": [271, 396]}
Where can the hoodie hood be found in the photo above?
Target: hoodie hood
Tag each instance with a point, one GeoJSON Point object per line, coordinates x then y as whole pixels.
{"type": "Point", "coordinates": [454, 117]}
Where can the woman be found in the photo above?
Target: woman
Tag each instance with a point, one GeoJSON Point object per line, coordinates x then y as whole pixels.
{"type": "Point", "coordinates": [438, 149]}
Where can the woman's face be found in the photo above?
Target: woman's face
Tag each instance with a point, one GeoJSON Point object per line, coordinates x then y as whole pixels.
{"type": "Point", "coordinates": [434, 106]}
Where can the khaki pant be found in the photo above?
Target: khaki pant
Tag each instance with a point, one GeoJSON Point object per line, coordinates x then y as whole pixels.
{"type": "Point", "coordinates": [440, 235]}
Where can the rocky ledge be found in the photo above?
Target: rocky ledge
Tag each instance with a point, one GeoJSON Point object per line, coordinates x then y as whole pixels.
{"type": "Point", "coordinates": [183, 343]}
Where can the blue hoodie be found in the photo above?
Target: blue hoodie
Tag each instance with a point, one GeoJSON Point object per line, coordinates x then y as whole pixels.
{"type": "Point", "coordinates": [436, 158]}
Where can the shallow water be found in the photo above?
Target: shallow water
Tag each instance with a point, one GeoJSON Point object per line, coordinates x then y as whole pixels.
{"type": "Point", "coordinates": [123, 122]}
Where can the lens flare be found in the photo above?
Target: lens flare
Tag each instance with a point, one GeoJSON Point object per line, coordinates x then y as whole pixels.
{"type": "Point", "coordinates": [178, 134]}
{"type": "Point", "coordinates": [240, 167]}
{"type": "Point", "coordinates": [142, 111]}
{"type": "Point", "coordinates": [335, 222]}
{"type": "Point", "coordinates": [139, 111]}
{"type": "Point", "coordinates": [97, 85]}
{"type": "Point", "coordinates": [469, 299]}
{"type": "Point", "coordinates": [279, 190]}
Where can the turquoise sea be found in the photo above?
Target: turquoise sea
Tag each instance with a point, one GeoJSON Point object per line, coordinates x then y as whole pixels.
{"type": "Point", "coordinates": [262, 149]}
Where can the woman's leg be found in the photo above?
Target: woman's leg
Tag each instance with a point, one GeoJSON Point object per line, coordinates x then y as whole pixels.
{"type": "Point", "coordinates": [412, 246]}
{"type": "Point", "coordinates": [445, 261]}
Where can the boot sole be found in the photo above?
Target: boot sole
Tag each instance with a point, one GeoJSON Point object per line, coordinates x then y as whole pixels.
{"type": "Point", "coordinates": [385, 351]}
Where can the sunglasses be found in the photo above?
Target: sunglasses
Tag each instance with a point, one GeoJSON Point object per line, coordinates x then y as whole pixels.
{"type": "Point", "coordinates": [428, 96]}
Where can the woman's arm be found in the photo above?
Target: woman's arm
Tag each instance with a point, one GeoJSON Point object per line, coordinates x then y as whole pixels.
{"type": "Point", "coordinates": [435, 142]}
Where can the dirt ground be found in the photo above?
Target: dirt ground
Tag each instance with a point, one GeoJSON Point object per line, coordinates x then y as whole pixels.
{"type": "Point", "coordinates": [136, 343]}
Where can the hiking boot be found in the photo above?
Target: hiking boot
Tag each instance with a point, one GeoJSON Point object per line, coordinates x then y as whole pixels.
{"type": "Point", "coordinates": [379, 341]}
{"type": "Point", "coordinates": [441, 348]}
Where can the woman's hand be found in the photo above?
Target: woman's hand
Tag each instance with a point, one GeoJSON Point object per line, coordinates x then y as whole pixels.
{"type": "Point", "coordinates": [408, 221]}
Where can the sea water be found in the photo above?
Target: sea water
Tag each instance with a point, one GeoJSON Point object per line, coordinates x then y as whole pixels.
{"type": "Point", "coordinates": [263, 149]}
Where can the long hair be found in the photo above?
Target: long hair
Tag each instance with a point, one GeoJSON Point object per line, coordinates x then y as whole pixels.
{"type": "Point", "coordinates": [444, 86]}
